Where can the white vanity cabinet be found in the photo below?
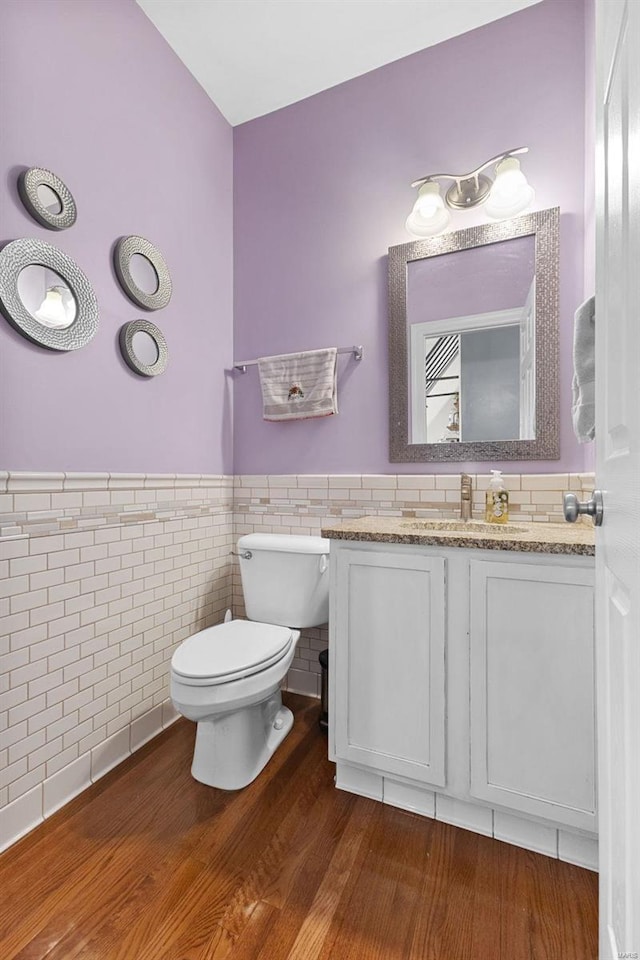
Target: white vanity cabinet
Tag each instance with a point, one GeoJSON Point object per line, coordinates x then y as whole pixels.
{"type": "Point", "coordinates": [462, 686]}
{"type": "Point", "coordinates": [389, 661]}
{"type": "Point", "coordinates": [533, 689]}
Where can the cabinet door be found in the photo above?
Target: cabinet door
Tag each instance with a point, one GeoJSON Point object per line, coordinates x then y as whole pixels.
{"type": "Point", "coordinates": [389, 662]}
{"type": "Point", "coordinates": [532, 689]}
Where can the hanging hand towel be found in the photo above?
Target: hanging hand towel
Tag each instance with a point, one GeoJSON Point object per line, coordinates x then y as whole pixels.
{"type": "Point", "coordinates": [584, 372]}
{"type": "Point", "coordinates": [299, 386]}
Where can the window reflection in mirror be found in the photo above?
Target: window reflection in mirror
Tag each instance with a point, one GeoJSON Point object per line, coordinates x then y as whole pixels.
{"type": "Point", "coordinates": [471, 342]}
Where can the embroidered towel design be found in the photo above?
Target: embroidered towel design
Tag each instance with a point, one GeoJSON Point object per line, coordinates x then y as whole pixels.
{"type": "Point", "coordinates": [299, 386]}
{"type": "Point", "coordinates": [295, 392]}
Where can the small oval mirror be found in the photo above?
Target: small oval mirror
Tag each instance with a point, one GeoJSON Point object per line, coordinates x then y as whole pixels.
{"type": "Point", "coordinates": [145, 348]}
{"type": "Point", "coordinates": [47, 296]}
{"type": "Point", "coordinates": [143, 273]}
{"type": "Point", "coordinates": [49, 198]}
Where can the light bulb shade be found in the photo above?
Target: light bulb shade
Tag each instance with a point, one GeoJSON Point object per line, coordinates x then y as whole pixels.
{"type": "Point", "coordinates": [510, 194]}
{"type": "Point", "coordinates": [53, 311]}
{"type": "Point", "coordinates": [429, 215]}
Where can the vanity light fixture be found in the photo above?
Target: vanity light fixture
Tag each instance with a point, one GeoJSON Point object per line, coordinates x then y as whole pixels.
{"type": "Point", "coordinates": [506, 196]}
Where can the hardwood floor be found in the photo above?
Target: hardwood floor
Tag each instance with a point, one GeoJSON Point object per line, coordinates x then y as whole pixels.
{"type": "Point", "coordinates": [150, 865]}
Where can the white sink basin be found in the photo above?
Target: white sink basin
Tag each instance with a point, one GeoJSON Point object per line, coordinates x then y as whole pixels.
{"type": "Point", "coordinates": [463, 526]}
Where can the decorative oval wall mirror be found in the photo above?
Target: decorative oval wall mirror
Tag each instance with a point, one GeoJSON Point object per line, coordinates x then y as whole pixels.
{"type": "Point", "coordinates": [473, 344]}
{"type": "Point", "coordinates": [45, 295]}
{"type": "Point", "coordinates": [47, 198]}
{"type": "Point", "coordinates": [142, 272]}
{"type": "Point", "coordinates": [144, 348]}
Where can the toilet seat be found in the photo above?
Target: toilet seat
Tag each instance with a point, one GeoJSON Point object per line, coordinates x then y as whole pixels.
{"type": "Point", "coordinates": [230, 651]}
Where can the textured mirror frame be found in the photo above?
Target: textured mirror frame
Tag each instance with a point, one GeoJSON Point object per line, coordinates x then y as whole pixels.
{"type": "Point", "coordinates": [544, 226]}
{"type": "Point", "coordinates": [127, 333]}
{"type": "Point", "coordinates": [23, 253]}
{"type": "Point", "coordinates": [28, 183]}
{"type": "Point", "coordinates": [125, 248]}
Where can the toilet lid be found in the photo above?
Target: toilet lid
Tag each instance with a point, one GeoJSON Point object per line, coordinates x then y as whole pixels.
{"type": "Point", "coordinates": [230, 651]}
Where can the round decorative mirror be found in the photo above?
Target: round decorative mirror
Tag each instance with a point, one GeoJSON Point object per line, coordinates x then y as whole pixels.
{"type": "Point", "coordinates": [144, 347]}
{"type": "Point", "coordinates": [47, 198]}
{"type": "Point", "coordinates": [142, 272]}
{"type": "Point", "coordinates": [45, 295]}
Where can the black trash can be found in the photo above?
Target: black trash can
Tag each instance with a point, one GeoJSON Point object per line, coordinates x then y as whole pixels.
{"type": "Point", "coordinates": [324, 689]}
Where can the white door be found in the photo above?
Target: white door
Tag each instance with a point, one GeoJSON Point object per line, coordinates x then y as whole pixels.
{"type": "Point", "coordinates": [618, 473]}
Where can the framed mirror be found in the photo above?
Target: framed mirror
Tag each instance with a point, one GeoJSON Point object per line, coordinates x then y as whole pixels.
{"type": "Point", "coordinates": [144, 348]}
{"type": "Point", "coordinates": [45, 295]}
{"type": "Point", "coordinates": [47, 198]}
{"type": "Point", "coordinates": [142, 272]}
{"type": "Point", "coordinates": [473, 344]}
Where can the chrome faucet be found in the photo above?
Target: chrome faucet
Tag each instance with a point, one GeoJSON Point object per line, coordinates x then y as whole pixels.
{"type": "Point", "coordinates": [466, 499]}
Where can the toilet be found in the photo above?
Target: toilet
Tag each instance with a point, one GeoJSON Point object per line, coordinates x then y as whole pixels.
{"type": "Point", "coordinates": [227, 678]}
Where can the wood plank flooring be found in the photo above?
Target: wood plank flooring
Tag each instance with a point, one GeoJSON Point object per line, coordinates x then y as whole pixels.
{"type": "Point", "coordinates": [150, 865]}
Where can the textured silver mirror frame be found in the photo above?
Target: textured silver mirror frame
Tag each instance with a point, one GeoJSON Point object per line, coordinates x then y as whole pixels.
{"type": "Point", "coordinates": [28, 183]}
{"type": "Point", "coordinates": [543, 225]}
{"type": "Point", "coordinates": [126, 346]}
{"type": "Point", "coordinates": [22, 253]}
{"type": "Point", "coordinates": [124, 250]}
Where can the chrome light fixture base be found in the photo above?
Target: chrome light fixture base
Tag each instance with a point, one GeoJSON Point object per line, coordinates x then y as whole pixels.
{"type": "Point", "coordinates": [464, 194]}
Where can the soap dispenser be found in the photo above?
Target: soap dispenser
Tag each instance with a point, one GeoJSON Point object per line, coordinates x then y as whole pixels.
{"type": "Point", "coordinates": [497, 508]}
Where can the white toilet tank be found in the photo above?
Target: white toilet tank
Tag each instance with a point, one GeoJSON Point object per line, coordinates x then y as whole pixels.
{"type": "Point", "coordinates": [286, 579]}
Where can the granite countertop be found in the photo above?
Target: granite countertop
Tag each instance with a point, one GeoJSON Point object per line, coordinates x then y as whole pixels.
{"type": "Point", "coordinates": [558, 538]}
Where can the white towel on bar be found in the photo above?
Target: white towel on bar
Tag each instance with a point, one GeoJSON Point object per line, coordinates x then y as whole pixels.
{"type": "Point", "coordinates": [584, 372]}
{"type": "Point", "coordinates": [299, 386]}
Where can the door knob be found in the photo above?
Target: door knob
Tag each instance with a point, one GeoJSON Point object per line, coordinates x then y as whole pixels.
{"type": "Point", "coordinates": [593, 508]}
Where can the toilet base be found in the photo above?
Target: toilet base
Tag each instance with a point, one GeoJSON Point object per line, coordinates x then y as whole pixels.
{"type": "Point", "coordinates": [232, 748]}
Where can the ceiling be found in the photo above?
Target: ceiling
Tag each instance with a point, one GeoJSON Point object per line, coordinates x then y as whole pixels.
{"type": "Point", "coordinates": [255, 56]}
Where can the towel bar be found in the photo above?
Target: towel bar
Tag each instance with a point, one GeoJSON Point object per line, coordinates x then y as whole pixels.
{"type": "Point", "coordinates": [242, 365]}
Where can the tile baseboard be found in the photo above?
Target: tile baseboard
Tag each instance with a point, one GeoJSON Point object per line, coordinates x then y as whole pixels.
{"type": "Point", "coordinates": [559, 844]}
{"type": "Point", "coordinates": [22, 816]}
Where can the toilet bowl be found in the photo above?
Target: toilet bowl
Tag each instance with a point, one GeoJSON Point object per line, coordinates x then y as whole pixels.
{"type": "Point", "coordinates": [227, 678]}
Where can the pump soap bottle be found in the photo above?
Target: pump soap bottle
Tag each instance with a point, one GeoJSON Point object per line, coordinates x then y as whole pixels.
{"type": "Point", "coordinates": [497, 508]}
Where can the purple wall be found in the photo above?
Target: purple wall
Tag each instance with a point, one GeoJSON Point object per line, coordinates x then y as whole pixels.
{"type": "Point", "coordinates": [92, 91]}
{"type": "Point", "coordinates": [322, 190]}
{"type": "Point", "coordinates": [590, 154]}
